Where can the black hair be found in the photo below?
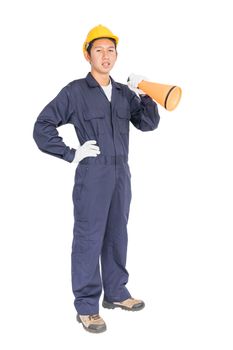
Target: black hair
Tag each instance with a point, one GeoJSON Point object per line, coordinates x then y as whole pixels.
{"type": "Point", "coordinates": [92, 42]}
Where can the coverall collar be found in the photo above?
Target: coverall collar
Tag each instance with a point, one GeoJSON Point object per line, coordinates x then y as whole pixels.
{"type": "Point", "coordinates": [93, 83]}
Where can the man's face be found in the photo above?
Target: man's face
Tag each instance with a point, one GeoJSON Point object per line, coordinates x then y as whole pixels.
{"type": "Point", "coordinates": [103, 56]}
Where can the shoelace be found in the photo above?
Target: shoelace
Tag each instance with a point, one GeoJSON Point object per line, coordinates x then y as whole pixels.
{"type": "Point", "coordinates": [94, 317]}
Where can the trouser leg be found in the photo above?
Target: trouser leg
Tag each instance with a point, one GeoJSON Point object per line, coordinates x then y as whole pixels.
{"type": "Point", "coordinates": [114, 250]}
{"type": "Point", "coordinates": [92, 197]}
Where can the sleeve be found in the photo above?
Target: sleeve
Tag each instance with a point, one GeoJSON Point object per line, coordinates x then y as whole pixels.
{"type": "Point", "coordinates": [144, 112]}
{"type": "Point", "coordinates": [58, 112]}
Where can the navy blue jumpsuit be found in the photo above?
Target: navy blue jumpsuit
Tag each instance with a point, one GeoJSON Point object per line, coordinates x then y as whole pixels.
{"type": "Point", "coordinates": [102, 187]}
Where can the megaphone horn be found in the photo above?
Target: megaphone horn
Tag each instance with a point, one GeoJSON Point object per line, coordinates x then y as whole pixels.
{"type": "Point", "coordinates": [167, 96]}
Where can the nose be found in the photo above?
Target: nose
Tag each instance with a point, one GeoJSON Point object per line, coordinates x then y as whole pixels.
{"type": "Point", "coordinates": [105, 54]}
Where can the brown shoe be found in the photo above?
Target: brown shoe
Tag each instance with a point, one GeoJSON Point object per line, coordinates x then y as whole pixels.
{"type": "Point", "coordinates": [92, 323]}
{"type": "Point", "coordinates": [130, 304]}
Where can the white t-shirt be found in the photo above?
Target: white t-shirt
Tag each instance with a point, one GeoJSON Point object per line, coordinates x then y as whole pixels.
{"type": "Point", "coordinates": [108, 91]}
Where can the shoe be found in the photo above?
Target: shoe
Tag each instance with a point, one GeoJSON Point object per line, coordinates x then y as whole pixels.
{"type": "Point", "coordinates": [92, 323]}
{"type": "Point", "coordinates": [130, 304]}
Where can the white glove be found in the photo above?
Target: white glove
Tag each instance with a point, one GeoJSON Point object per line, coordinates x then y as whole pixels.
{"type": "Point", "coordinates": [88, 149]}
{"type": "Point", "coordinates": [133, 82]}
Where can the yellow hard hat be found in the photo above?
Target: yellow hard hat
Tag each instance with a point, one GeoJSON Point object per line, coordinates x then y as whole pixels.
{"type": "Point", "coordinates": [98, 32]}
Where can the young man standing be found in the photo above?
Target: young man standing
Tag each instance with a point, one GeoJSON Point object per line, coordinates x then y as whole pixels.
{"type": "Point", "coordinates": [100, 110]}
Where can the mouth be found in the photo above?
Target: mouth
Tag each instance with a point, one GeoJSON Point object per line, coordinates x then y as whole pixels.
{"type": "Point", "coordinates": [106, 64]}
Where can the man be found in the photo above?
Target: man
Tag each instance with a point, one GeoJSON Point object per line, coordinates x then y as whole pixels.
{"type": "Point", "coordinates": [100, 110]}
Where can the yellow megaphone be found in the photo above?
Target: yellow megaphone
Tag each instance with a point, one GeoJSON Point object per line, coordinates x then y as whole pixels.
{"type": "Point", "coordinates": [167, 96]}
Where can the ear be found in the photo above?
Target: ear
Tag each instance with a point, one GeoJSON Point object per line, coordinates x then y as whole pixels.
{"type": "Point", "coordinates": [87, 56]}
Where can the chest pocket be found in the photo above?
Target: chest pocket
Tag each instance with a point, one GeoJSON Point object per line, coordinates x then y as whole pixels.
{"type": "Point", "coordinates": [94, 124]}
{"type": "Point", "coordinates": [123, 119]}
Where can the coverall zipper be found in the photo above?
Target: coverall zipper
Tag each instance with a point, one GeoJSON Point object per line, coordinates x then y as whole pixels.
{"type": "Point", "coordinates": [113, 136]}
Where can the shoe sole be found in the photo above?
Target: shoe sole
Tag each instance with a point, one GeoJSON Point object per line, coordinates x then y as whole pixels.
{"type": "Point", "coordinates": [108, 305]}
{"type": "Point", "coordinates": [90, 330]}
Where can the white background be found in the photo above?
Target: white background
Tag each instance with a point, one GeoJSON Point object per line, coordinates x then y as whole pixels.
{"type": "Point", "coordinates": [180, 227]}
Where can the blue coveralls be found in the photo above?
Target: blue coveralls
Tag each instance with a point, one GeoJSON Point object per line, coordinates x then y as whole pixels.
{"type": "Point", "coordinates": [102, 187]}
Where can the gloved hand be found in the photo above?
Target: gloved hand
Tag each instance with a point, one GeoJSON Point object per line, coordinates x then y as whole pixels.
{"type": "Point", "coordinates": [88, 149]}
{"type": "Point", "coordinates": [133, 82]}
